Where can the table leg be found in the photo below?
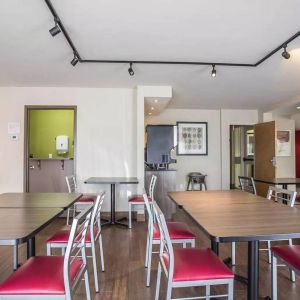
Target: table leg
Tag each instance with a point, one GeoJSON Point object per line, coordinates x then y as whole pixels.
{"type": "Point", "coordinates": [31, 247]}
{"type": "Point", "coordinates": [253, 270]}
{"type": "Point", "coordinates": [215, 247]}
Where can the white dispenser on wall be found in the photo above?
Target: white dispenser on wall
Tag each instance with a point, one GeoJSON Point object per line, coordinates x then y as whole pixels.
{"type": "Point", "coordinates": [62, 144]}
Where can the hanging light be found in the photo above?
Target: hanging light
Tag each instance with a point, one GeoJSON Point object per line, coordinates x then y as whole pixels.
{"type": "Point", "coordinates": [55, 30]}
{"type": "Point", "coordinates": [75, 60]}
{"type": "Point", "coordinates": [130, 70]}
{"type": "Point", "coordinates": [214, 71]}
{"type": "Point", "coordinates": [285, 54]}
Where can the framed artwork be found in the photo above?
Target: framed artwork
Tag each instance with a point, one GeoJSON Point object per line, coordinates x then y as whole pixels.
{"type": "Point", "coordinates": [283, 143]}
{"type": "Point", "coordinates": [250, 144]}
{"type": "Point", "coordinates": [192, 138]}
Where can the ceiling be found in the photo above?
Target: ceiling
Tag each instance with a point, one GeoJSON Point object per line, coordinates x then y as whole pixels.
{"type": "Point", "coordinates": [237, 31]}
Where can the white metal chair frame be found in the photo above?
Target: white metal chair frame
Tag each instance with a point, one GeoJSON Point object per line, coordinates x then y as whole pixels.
{"type": "Point", "coordinates": [167, 247]}
{"type": "Point", "coordinates": [274, 273]}
{"type": "Point", "coordinates": [247, 184]}
{"type": "Point", "coordinates": [151, 241]}
{"type": "Point", "coordinates": [72, 188]}
{"type": "Point", "coordinates": [151, 195]}
{"type": "Point", "coordinates": [280, 195]}
{"type": "Point", "coordinates": [95, 223]}
{"type": "Point", "coordinates": [75, 250]}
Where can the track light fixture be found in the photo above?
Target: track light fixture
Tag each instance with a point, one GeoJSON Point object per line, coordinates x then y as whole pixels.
{"type": "Point", "coordinates": [55, 30]}
{"type": "Point", "coordinates": [75, 60]}
{"type": "Point", "coordinates": [214, 71]}
{"type": "Point", "coordinates": [285, 54]}
{"type": "Point", "coordinates": [130, 70]}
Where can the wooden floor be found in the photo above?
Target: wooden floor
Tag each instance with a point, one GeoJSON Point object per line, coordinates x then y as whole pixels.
{"type": "Point", "coordinates": [124, 276]}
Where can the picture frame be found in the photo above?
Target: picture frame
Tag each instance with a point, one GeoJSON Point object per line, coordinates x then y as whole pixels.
{"type": "Point", "coordinates": [192, 138]}
{"type": "Point", "coordinates": [283, 143]}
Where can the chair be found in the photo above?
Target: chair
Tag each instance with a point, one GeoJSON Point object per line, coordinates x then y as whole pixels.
{"type": "Point", "coordinates": [82, 201]}
{"type": "Point", "coordinates": [60, 239]}
{"type": "Point", "coordinates": [290, 256]}
{"type": "Point", "coordinates": [284, 196]}
{"type": "Point", "coordinates": [196, 178]}
{"type": "Point", "coordinates": [139, 200]}
{"type": "Point", "coordinates": [189, 267]}
{"type": "Point", "coordinates": [247, 184]}
{"type": "Point", "coordinates": [53, 277]}
{"type": "Point", "coordinates": [179, 234]}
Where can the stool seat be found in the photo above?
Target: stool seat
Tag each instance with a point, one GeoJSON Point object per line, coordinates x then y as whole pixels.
{"type": "Point", "coordinates": [138, 198]}
{"type": "Point", "coordinates": [40, 275]}
{"type": "Point", "coordinates": [177, 231]}
{"type": "Point", "coordinates": [289, 253]}
{"type": "Point", "coordinates": [192, 264]}
{"type": "Point", "coordinates": [86, 199]}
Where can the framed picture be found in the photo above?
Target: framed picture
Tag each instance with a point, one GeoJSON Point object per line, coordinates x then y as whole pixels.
{"type": "Point", "coordinates": [250, 144]}
{"type": "Point", "coordinates": [283, 143]}
{"type": "Point", "coordinates": [192, 138]}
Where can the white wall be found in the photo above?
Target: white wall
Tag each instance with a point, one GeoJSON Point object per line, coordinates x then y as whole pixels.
{"type": "Point", "coordinates": [106, 134]}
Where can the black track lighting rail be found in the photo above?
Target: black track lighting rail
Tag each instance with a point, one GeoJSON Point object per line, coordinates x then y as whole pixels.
{"type": "Point", "coordinates": [157, 62]}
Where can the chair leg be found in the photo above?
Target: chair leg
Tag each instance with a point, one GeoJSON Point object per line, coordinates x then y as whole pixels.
{"type": "Point", "coordinates": [193, 243]}
{"type": "Point", "coordinates": [95, 267]}
{"type": "Point", "coordinates": [49, 249]}
{"type": "Point", "coordinates": [68, 216]}
{"type": "Point", "coordinates": [15, 257]}
{"type": "Point", "coordinates": [149, 262]}
{"type": "Point", "coordinates": [230, 290]}
{"type": "Point", "coordinates": [292, 273]}
{"type": "Point", "coordinates": [169, 290]}
{"type": "Point", "coordinates": [74, 211]}
{"type": "Point", "coordinates": [147, 249]}
{"type": "Point", "coordinates": [101, 253]}
{"type": "Point", "coordinates": [184, 245]}
{"type": "Point", "coordinates": [233, 253]}
{"type": "Point", "coordinates": [269, 251]}
{"type": "Point", "coordinates": [87, 285]}
{"type": "Point", "coordinates": [158, 282]}
{"type": "Point", "coordinates": [207, 292]}
{"type": "Point", "coordinates": [129, 216]}
{"type": "Point", "coordinates": [63, 251]}
{"type": "Point", "coordinates": [274, 278]}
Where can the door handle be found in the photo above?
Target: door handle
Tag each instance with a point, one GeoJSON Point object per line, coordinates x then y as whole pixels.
{"type": "Point", "coordinates": [31, 167]}
{"type": "Point", "coordinates": [273, 161]}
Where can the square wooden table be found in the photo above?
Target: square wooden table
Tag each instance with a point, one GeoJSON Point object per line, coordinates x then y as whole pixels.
{"type": "Point", "coordinates": [233, 216]}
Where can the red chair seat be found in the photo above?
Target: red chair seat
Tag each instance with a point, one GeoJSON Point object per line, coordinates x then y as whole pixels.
{"type": "Point", "coordinates": [288, 253]}
{"type": "Point", "coordinates": [86, 199]}
{"type": "Point", "coordinates": [138, 198]}
{"type": "Point", "coordinates": [40, 275]}
{"type": "Point", "coordinates": [191, 264]}
{"type": "Point", "coordinates": [62, 235]}
{"type": "Point", "coordinates": [177, 231]}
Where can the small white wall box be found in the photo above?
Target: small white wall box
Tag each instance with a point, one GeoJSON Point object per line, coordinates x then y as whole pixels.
{"type": "Point", "coordinates": [62, 144]}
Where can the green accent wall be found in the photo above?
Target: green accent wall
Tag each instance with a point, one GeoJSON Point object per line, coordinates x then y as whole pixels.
{"type": "Point", "coordinates": [44, 127]}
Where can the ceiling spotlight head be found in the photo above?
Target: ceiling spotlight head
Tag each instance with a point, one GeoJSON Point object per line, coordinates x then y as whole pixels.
{"type": "Point", "coordinates": [130, 70]}
{"type": "Point", "coordinates": [214, 71]}
{"type": "Point", "coordinates": [75, 60]}
{"type": "Point", "coordinates": [285, 54]}
{"type": "Point", "coordinates": [55, 30]}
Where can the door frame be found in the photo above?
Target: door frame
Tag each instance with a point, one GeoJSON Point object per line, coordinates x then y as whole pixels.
{"type": "Point", "coordinates": [27, 109]}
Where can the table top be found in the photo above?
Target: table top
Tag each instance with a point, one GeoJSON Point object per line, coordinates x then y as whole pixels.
{"type": "Point", "coordinates": [38, 200]}
{"type": "Point", "coordinates": [17, 225]}
{"type": "Point", "coordinates": [112, 180]}
{"type": "Point", "coordinates": [278, 180]}
{"type": "Point", "coordinates": [228, 216]}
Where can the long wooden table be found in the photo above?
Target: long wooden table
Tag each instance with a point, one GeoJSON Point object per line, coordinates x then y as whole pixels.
{"type": "Point", "coordinates": [23, 215]}
{"type": "Point", "coordinates": [233, 216]}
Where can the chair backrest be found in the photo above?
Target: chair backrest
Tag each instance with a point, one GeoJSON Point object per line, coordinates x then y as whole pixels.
{"type": "Point", "coordinates": [247, 184]}
{"type": "Point", "coordinates": [166, 247]}
{"type": "Point", "coordinates": [71, 183]}
{"type": "Point", "coordinates": [150, 214]}
{"type": "Point", "coordinates": [282, 195]}
{"type": "Point", "coordinates": [75, 253]}
{"type": "Point", "coordinates": [152, 186]}
{"type": "Point", "coordinates": [96, 217]}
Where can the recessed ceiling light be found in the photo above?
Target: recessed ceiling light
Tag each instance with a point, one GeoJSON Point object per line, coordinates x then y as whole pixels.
{"type": "Point", "coordinates": [149, 113]}
{"type": "Point", "coordinates": [298, 107]}
{"type": "Point", "coordinates": [152, 108]}
{"type": "Point", "coordinates": [155, 100]}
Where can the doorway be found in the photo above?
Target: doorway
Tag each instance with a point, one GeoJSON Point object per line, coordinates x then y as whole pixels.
{"type": "Point", "coordinates": [241, 153]}
{"type": "Point", "coordinates": [50, 147]}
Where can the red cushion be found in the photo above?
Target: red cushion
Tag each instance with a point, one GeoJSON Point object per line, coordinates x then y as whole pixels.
{"type": "Point", "coordinates": [62, 235]}
{"type": "Point", "coordinates": [40, 275]}
{"type": "Point", "coordinates": [290, 254]}
{"type": "Point", "coordinates": [177, 231]}
{"type": "Point", "coordinates": [86, 199]}
{"type": "Point", "coordinates": [191, 264]}
{"type": "Point", "coordinates": [138, 198]}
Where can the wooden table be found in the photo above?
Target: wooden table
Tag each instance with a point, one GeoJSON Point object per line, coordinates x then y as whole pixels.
{"type": "Point", "coordinates": [22, 215]}
{"type": "Point", "coordinates": [112, 181]}
{"type": "Point", "coordinates": [233, 216]}
{"type": "Point", "coordinates": [284, 182]}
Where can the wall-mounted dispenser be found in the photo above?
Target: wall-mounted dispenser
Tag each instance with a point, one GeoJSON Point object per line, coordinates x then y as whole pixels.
{"type": "Point", "coordinates": [62, 144]}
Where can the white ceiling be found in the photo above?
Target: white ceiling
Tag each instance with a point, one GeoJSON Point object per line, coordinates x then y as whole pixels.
{"type": "Point", "coordinates": [226, 31]}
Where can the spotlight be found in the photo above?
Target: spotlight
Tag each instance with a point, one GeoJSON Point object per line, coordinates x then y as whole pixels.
{"type": "Point", "coordinates": [75, 60]}
{"type": "Point", "coordinates": [214, 71]}
{"type": "Point", "coordinates": [55, 30]}
{"type": "Point", "coordinates": [130, 70]}
{"type": "Point", "coordinates": [285, 54]}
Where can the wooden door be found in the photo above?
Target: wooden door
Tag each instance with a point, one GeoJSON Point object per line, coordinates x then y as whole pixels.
{"type": "Point", "coordinates": [265, 160]}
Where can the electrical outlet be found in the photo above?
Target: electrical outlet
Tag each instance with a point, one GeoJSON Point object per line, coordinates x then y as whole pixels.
{"type": "Point", "coordinates": [14, 137]}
